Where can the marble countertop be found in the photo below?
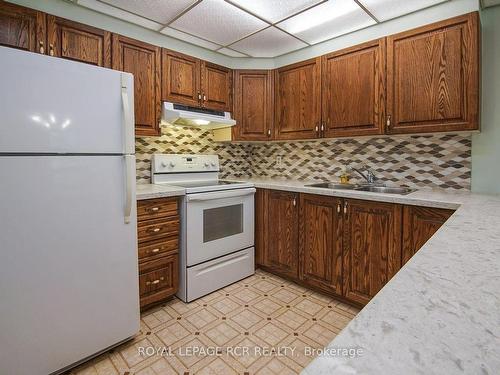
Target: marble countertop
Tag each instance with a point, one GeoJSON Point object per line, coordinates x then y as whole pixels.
{"type": "Point", "coordinates": [150, 191]}
{"type": "Point", "coordinates": [440, 314]}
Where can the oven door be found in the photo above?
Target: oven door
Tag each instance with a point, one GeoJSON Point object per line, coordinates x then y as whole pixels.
{"type": "Point", "coordinates": [218, 223]}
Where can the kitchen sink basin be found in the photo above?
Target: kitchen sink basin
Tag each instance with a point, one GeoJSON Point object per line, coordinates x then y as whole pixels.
{"type": "Point", "coordinates": [385, 189]}
{"type": "Point", "coordinates": [332, 185]}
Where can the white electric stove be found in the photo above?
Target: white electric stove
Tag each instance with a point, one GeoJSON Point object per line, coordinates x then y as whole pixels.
{"type": "Point", "coordinates": [217, 223]}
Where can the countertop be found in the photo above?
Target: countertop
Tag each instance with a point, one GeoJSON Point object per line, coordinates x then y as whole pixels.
{"type": "Point", "coordinates": [440, 314]}
{"type": "Point", "coordinates": [150, 191]}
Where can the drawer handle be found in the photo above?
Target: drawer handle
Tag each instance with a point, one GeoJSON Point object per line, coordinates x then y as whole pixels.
{"type": "Point", "coordinates": [154, 230]}
{"type": "Point", "coordinates": [154, 282]}
{"type": "Point", "coordinates": [154, 209]}
{"type": "Point", "coordinates": [155, 250]}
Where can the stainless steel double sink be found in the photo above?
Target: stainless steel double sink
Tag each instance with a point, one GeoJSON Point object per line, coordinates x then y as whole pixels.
{"type": "Point", "coordinates": [370, 188]}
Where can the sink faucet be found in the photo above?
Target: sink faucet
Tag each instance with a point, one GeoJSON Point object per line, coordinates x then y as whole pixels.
{"type": "Point", "coordinates": [369, 176]}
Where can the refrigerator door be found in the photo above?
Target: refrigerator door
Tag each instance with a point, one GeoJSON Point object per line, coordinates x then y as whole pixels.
{"type": "Point", "coordinates": [52, 105]}
{"type": "Point", "coordinates": [68, 261]}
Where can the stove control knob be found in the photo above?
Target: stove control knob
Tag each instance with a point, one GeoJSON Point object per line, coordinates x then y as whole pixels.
{"type": "Point", "coordinates": [207, 164]}
{"type": "Point", "coordinates": [163, 164]}
{"type": "Point", "coordinates": [213, 164]}
{"type": "Point", "coordinates": [171, 164]}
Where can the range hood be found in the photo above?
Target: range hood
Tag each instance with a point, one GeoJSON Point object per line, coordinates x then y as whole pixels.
{"type": "Point", "coordinates": [183, 115]}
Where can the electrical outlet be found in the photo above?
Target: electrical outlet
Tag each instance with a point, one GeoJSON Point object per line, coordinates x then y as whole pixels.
{"type": "Point", "coordinates": [278, 161]}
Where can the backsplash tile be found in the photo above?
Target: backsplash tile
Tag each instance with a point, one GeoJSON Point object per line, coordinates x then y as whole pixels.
{"type": "Point", "coordinates": [423, 161]}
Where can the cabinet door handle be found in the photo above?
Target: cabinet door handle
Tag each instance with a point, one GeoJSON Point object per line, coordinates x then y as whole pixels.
{"type": "Point", "coordinates": [204, 97]}
{"type": "Point", "coordinates": [199, 95]}
{"type": "Point", "coordinates": [345, 208]}
{"type": "Point", "coordinates": [388, 122]}
{"type": "Point", "coordinates": [339, 208]}
{"type": "Point", "coordinates": [322, 126]}
{"type": "Point", "coordinates": [316, 128]}
{"type": "Point", "coordinates": [294, 202]}
{"type": "Point", "coordinates": [41, 49]}
{"type": "Point", "coordinates": [51, 49]}
{"type": "Point", "coordinates": [268, 132]}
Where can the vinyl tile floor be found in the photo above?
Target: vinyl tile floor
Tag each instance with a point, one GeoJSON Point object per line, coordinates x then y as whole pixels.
{"type": "Point", "coordinates": [260, 325]}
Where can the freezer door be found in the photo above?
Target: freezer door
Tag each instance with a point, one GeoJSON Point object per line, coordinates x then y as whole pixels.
{"type": "Point", "coordinates": [68, 260]}
{"type": "Point", "coordinates": [51, 105]}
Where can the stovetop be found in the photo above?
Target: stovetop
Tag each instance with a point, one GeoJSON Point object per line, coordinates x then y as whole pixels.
{"type": "Point", "coordinates": [206, 183]}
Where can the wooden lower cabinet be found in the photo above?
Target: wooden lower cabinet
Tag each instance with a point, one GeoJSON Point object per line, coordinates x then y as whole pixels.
{"type": "Point", "coordinates": [419, 224]}
{"type": "Point", "coordinates": [158, 249]}
{"type": "Point", "coordinates": [320, 234]}
{"type": "Point", "coordinates": [282, 221]}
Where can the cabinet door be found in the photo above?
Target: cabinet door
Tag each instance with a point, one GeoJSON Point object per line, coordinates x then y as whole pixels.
{"type": "Point", "coordinates": [419, 224]}
{"type": "Point", "coordinates": [372, 247]}
{"type": "Point", "coordinates": [143, 61]}
{"type": "Point", "coordinates": [260, 226]}
{"type": "Point", "coordinates": [22, 28]}
{"type": "Point", "coordinates": [353, 93]}
{"type": "Point", "coordinates": [253, 101]}
{"type": "Point", "coordinates": [433, 77]}
{"type": "Point", "coordinates": [181, 78]}
{"type": "Point", "coordinates": [321, 242]}
{"type": "Point", "coordinates": [75, 41]}
{"type": "Point", "coordinates": [282, 244]}
{"type": "Point", "coordinates": [216, 84]}
{"type": "Point", "coordinates": [298, 100]}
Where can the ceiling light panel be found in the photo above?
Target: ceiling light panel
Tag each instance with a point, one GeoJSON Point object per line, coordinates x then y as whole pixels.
{"type": "Point", "coordinates": [270, 42]}
{"type": "Point", "coordinates": [384, 10]}
{"type": "Point", "coordinates": [119, 13]}
{"type": "Point", "coordinates": [327, 20]}
{"type": "Point", "coordinates": [160, 11]}
{"type": "Point", "coordinates": [230, 52]}
{"type": "Point", "coordinates": [274, 11]}
{"type": "Point", "coordinates": [189, 38]}
{"type": "Point", "coordinates": [218, 21]}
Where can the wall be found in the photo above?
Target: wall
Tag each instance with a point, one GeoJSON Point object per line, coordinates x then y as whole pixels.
{"type": "Point", "coordinates": [425, 161]}
{"type": "Point", "coordinates": [486, 145]}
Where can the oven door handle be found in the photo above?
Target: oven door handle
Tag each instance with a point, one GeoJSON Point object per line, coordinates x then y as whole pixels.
{"type": "Point", "coordinates": [219, 195]}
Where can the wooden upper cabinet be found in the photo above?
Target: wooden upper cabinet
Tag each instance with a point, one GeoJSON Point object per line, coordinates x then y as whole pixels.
{"type": "Point", "coordinates": [433, 77]}
{"type": "Point", "coordinates": [181, 78]}
{"type": "Point", "coordinates": [282, 226]}
{"type": "Point", "coordinates": [321, 242]}
{"type": "Point", "coordinates": [298, 100]}
{"type": "Point", "coordinates": [419, 224]}
{"type": "Point", "coordinates": [216, 87]}
{"type": "Point", "coordinates": [372, 247]}
{"type": "Point", "coordinates": [353, 91]}
{"type": "Point", "coordinates": [22, 28]}
{"type": "Point", "coordinates": [143, 61]}
{"type": "Point", "coordinates": [78, 42]}
{"type": "Point", "coordinates": [253, 105]}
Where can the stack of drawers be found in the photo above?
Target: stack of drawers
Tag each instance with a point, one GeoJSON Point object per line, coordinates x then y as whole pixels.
{"type": "Point", "coordinates": [158, 235]}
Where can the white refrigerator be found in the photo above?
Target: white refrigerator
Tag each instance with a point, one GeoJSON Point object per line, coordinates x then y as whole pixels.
{"type": "Point", "coordinates": [68, 235]}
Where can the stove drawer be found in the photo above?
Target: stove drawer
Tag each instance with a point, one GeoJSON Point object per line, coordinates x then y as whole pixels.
{"type": "Point", "coordinates": [156, 208]}
{"type": "Point", "coordinates": [158, 279]}
{"type": "Point", "coordinates": [154, 229]}
{"type": "Point", "coordinates": [158, 247]}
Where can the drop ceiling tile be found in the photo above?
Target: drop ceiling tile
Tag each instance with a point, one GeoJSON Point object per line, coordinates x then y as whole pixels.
{"type": "Point", "coordinates": [327, 20]}
{"type": "Point", "coordinates": [490, 3]}
{"type": "Point", "coordinates": [274, 11]}
{"type": "Point", "coordinates": [189, 38]}
{"type": "Point", "coordinates": [386, 9]}
{"type": "Point", "coordinates": [268, 43]}
{"type": "Point", "coordinates": [218, 21]}
{"type": "Point", "coordinates": [160, 11]}
{"type": "Point", "coordinates": [230, 52]}
{"type": "Point", "coordinates": [119, 13]}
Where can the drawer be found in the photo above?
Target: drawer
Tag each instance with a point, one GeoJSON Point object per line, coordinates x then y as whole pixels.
{"type": "Point", "coordinates": [158, 247]}
{"type": "Point", "coordinates": [156, 208]}
{"type": "Point", "coordinates": [159, 278]}
{"type": "Point", "coordinates": [154, 229]}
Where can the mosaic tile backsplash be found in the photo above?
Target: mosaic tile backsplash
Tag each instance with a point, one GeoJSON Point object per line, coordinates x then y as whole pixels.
{"type": "Point", "coordinates": [440, 161]}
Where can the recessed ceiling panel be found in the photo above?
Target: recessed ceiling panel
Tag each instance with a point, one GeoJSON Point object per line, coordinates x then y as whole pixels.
{"type": "Point", "coordinates": [327, 20]}
{"type": "Point", "coordinates": [230, 52]}
{"type": "Point", "coordinates": [274, 11]}
{"type": "Point", "coordinates": [119, 13]}
{"type": "Point", "coordinates": [218, 21]}
{"type": "Point", "coordinates": [189, 38]}
{"type": "Point", "coordinates": [489, 3]}
{"type": "Point", "coordinates": [160, 11]}
{"type": "Point", "coordinates": [268, 43]}
{"type": "Point", "coordinates": [386, 9]}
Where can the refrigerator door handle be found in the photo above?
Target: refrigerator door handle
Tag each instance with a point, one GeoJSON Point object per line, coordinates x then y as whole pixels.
{"type": "Point", "coordinates": [127, 84]}
{"type": "Point", "coordinates": [129, 185]}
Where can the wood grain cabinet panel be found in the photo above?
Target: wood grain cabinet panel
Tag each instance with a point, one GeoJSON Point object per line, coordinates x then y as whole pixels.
{"type": "Point", "coordinates": [372, 247]}
{"type": "Point", "coordinates": [78, 42]}
{"type": "Point", "coordinates": [22, 28]}
{"type": "Point", "coordinates": [282, 244]}
{"type": "Point", "coordinates": [353, 91]}
{"type": "Point", "coordinates": [181, 78]}
{"type": "Point", "coordinates": [261, 226]}
{"type": "Point", "coordinates": [298, 100]}
{"type": "Point", "coordinates": [320, 246]}
{"type": "Point", "coordinates": [143, 61]}
{"type": "Point", "coordinates": [158, 279]}
{"type": "Point", "coordinates": [253, 105]}
{"type": "Point", "coordinates": [419, 224]}
{"type": "Point", "coordinates": [433, 77]}
{"type": "Point", "coordinates": [216, 87]}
